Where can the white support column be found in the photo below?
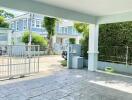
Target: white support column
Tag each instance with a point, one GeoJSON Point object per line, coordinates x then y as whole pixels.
{"type": "Point", "coordinates": [77, 40]}
{"type": "Point", "coordinates": [93, 47]}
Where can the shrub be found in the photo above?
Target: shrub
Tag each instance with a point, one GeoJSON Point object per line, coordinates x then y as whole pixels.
{"type": "Point", "coordinates": [72, 41]}
{"type": "Point", "coordinates": [3, 24]}
{"type": "Point", "coordinates": [84, 29]}
{"type": "Point", "coordinates": [84, 44]}
{"type": "Point", "coordinates": [36, 39]}
{"type": "Point", "coordinates": [109, 69]}
{"type": "Point", "coordinates": [64, 63]}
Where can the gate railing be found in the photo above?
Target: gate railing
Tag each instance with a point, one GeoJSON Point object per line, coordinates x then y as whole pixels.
{"type": "Point", "coordinates": [116, 54]}
{"type": "Point", "coordinates": [18, 60]}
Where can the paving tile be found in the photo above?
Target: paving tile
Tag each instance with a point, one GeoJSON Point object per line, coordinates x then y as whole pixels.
{"type": "Point", "coordinates": [70, 85]}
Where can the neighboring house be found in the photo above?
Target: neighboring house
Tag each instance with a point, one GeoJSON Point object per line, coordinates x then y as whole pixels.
{"type": "Point", "coordinates": [5, 36]}
{"type": "Point", "coordinates": [64, 29]}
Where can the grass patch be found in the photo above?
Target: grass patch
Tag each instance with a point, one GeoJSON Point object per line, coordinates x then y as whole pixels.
{"type": "Point", "coordinates": [109, 69]}
{"type": "Point", "coordinates": [64, 63]}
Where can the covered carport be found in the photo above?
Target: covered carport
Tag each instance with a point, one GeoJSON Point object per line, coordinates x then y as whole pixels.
{"type": "Point", "coordinates": [94, 12]}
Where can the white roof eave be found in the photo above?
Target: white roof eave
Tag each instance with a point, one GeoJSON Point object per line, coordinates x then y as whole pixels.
{"type": "Point", "coordinates": [41, 8]}
{"type": "Point", "coordinates": [122, 17]}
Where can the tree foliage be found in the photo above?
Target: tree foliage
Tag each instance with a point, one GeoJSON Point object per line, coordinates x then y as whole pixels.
{"type": "Point", "coordinates": [113, 39]}
{"type": "Point", "coordinates": [115, 34]}
{"type": "Point", "coordinates": [72, 41]}
{"type": "Point", "coordinates": [3, 24]}
{"type": "Point", "coordinates": [6, 14]}
{"type": "Point", "coordinates": [50, 25]}
{"type": "Point", "coordinates": [3, 15]}
{"type": "Point", "coordinates": [84, 29]}
{"type": "Point", "coordinates": [36, 39]}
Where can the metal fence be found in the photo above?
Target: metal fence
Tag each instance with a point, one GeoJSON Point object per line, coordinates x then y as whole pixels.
{"type": "Point", "coordinates": [116, 54]}
{"type": "Point", "coordinates": [18, 60]}
{"type": "Point", "coordinates": [58, 48]}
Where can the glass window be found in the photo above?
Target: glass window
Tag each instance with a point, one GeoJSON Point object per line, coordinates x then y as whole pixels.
{"type": "Point", "coordinates": [38, 23]}
{"type": "Point", "coordinates": [66, 30]}
{"type": "Point", "coordinates": [57, 27]}
{"type": "Point", "coordinates": [12, 25]}
{"type": "Point", "coordinates": [3, 37]}
{"type": "Point", "coordinates": [74, 31]}
{"type": "Point", "coordinates": [25, 24]}
{"type": "Point", "coordinates": [60, 29]}
{"type": "Point", "coordinates": [17, 25]}
{"type": "Point", "coordinates": [63, 30]}
{"type": "Point", "coordinates": [69, 29]}
{"type": "Point", "coordinates": [33, 23]}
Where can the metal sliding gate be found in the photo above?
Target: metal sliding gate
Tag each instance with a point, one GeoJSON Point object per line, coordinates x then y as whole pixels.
{"type": "Point", "coordinates": [18, 60]}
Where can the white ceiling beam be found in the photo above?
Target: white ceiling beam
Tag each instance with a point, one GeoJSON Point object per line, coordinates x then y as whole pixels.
{"type": "Point", "coordinates": [115, 18]}
{"type": "Point", "coordinates": [42, 8]}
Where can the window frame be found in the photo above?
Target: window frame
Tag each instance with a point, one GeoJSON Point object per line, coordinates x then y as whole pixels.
{"type": "Point", "coordinates": [17, 25]}
{"type": "Point", "coordinates": [25, 23]}
{"type": "Point", "coordinates": [39, 20]}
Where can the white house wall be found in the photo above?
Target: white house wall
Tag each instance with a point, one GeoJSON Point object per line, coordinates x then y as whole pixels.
{"type": "Point", "coordinates": [8, 33]}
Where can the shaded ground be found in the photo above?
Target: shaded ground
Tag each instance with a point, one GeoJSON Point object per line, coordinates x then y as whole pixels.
{"type": "Point", "coordinates": [57, 83]}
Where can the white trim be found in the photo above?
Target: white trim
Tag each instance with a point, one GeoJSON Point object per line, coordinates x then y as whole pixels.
{"type": "Point", "coordinates": [93, 52]}
{"type": "Point", "coordinates": [19, 17]}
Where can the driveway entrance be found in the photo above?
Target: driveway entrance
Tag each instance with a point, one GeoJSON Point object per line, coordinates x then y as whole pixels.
{"type": "Point", "coordinates": [50, 64]}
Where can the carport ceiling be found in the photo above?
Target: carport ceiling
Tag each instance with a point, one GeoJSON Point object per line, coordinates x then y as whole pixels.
{"type": "Point", "coordinates": [93, 7]}
{"type": "Point", "coordinates": [93, 11]}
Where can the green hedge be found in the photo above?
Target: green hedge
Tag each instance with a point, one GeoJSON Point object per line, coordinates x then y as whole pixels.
{"type": "Point", "coordinates": [36, 39]}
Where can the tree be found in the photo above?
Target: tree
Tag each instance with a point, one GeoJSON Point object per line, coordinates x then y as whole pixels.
{"type": "Point", "coordinates": [6, 14]}
{"type": "Point", "coordinates": [84, 29]}
{"type": "Point", "coordinates": [3, 24]}
{"type": "Point", "coordinates": [50, 25]}
{"type": "Point", "coordinates": [3, 15]}
{"type": "Point", "coordinates": [72, 41]}
{"type": "Point", "coordinates": [36, 39]}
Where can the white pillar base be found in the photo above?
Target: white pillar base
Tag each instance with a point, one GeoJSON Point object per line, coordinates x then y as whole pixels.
{"type": "Point", "coordinates": [92, 61]}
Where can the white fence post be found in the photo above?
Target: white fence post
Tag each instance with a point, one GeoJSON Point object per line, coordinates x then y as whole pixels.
{"type": "Point", "coordinates": [126, 56]}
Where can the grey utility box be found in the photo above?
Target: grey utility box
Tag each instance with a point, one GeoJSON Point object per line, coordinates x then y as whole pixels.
{"type": "Point", "coordinates": [77, 62]}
